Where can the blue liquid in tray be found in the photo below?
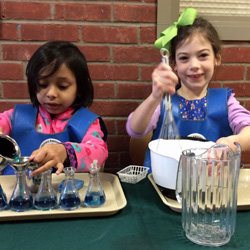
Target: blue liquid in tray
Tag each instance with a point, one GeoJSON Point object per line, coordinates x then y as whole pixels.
{"type": "Point", "coordinates": [46, 203]}
{"type": "Point", "coordinates": [69, 201]}
{"type": "Point", "coordinates": [94, 199]}
{"type": "Point", "coordinates": [20, 204]}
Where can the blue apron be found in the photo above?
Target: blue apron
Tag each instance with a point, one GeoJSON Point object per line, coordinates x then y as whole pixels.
{"type": "Point", "coordinates": [28, 139]}
{"type": "Point", "coordinates": [214, 126]}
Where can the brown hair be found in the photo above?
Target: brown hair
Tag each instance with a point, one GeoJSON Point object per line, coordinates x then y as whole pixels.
{"type": "Point", "coordinates": [201, 26]}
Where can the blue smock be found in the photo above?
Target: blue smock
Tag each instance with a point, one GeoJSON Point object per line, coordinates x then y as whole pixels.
{"type": "Point", "coordinates": [28, 139]}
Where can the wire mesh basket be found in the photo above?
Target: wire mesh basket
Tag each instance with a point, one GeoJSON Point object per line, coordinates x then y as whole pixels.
{"type": "Point", "coordinates": [133, 174]}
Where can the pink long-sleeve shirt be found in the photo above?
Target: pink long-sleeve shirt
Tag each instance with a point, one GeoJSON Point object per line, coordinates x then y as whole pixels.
{"type": "Point", "coordinates": [238, 118]}
{"type": "Point", "coordinates": [92, 147]}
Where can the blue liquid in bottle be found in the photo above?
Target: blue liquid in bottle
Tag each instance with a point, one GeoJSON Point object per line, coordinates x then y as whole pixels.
{"type": "Point", "coordinates": [46, 203]}
{"type": "Point", "coordinates": [21, 204]}
{"type": "Point", "coordinates": [95, 196]}
{"type": "Point", "coordinates": [46, 197]}
{"type": "Point", "coordinates": [21, 199]}
{"type": "Point", "coordinates": [94, 199]}
{"type": "Point", "coordinates": [69, 198]}
{"type": "Point", "coordinates": [69, 202]}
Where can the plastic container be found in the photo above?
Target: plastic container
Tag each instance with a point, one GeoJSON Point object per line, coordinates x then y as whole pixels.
{"type": "Point", "coordinates": [133, 174]}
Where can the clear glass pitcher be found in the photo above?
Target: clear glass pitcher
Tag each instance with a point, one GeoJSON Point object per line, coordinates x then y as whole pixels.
{"type": "Point", "coordinates": [206, 187]}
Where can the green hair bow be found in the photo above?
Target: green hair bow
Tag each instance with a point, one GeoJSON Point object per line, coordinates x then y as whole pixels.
{"type": "Point", "coordinates": [187, 18]}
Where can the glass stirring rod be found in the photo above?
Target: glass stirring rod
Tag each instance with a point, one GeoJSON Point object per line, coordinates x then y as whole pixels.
{"type": "Point", "coordinates": [168, 128]}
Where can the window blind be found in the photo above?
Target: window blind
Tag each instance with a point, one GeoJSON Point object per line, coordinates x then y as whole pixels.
{"type": "Point", "coordinates": [239, 8]}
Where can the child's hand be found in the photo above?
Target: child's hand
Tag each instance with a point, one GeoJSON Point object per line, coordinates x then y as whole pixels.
{"type": "Point", "coordinates": [48, 156]}
{"type": "Point", "coordinates": [1, 130]}
{"type": "Point", "coordinates": [230, 140]}
{"type": "Point", "coordinates": [164, 81]}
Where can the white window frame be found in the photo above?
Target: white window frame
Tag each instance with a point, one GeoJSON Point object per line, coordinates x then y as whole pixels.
{"type": "Point", "coordinates": [236, 28]}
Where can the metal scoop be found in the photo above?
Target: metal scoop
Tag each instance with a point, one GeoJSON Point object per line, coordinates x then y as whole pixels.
{"type": "Point", "coordinates": [9, 151]}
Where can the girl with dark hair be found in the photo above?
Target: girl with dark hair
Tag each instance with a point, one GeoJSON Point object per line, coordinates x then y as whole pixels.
{"type": "Point", "coordinates": [57, 129]}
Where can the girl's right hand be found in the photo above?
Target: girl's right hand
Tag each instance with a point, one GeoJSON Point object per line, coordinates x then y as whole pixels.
{"type": "Point", "coordinates": [1, 130]}
{"type": "Point", "coordinates": [164, 81]}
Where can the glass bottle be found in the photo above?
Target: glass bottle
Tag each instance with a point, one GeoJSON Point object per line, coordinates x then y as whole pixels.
{"type": "Point", "coordinates": [95, 196]}
{"type": "Point", "coordinates": [3, 199]}
{"type": "Point", "coordinates": [21, 199]}
{"type": "Point", "coordinates": [69, 198]}
{"type": "Point", "coordinates": [46, 197]}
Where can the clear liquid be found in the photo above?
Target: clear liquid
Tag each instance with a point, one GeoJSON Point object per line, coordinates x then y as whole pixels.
{"type": "Point", "coordinates": [46, 203]}
{"type": "Point", "coordinates": [210, 235]}
{"type": "Point", "coordinates": [69, 202]}
{"type": "Point", "coordinates": [21, 204]}
{"type": "Point", "coordinates": [94, 199]}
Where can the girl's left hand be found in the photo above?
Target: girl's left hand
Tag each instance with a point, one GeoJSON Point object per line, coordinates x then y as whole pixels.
{"type": "Point", "coordinates": [230, 140]}
{"type": "Point", "coordinates": [48, 156]}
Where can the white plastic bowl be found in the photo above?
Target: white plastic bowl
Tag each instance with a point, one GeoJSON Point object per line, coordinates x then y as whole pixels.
{"type": "Point", "coordinates": [165, 155]}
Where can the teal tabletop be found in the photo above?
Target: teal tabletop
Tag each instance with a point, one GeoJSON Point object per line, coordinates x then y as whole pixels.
{"type": "Point", "coordinates": [145, 223]}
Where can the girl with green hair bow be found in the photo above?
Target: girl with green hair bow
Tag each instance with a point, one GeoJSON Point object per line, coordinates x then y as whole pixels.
{"type": "Point", "coordinates": [208, 113]}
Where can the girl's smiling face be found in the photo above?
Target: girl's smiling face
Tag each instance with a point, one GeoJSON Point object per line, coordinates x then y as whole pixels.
{"type": "Point", "coordinates": [58, 92]}
{"type": "Point", "coordinates": [195, 63]}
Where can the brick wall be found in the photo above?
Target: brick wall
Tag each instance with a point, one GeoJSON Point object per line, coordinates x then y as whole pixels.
{"type": "Point", "coordinates": [117, 39]}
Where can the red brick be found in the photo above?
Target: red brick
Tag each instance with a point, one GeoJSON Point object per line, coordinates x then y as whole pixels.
{"type": "Point", "coordinates": [126, 0]}
{"type": "Point", "coordinates": [8, 31]}
{"type": "Point", "coordinates": [236, 55]}
{"type": "Point", "coordinates": [49, 32]}
{"type": "Point", "coordinates": [214, 85]}
{"type": "Point", "coordinates": [124, 159]}
{"type": "Point", "coordinates": [28, 10]}
{"type": "Point", "coordinates": [135, 13]}
{"type": "Point", "coordinates": [104, 34]}
{"type": "Point", "coordinates": [112, 162]}
{"type": "Point", "coordinates": [113, 107]}
{"type": "Point", "coordinates": [245, 157]}
{"type": "Point", "coordinates": [114, 142]}
{"type": "Point", "coordinates": [96, 53]}
{"type": "Point", "coordinates": [113, 72]}
{"type": "Point", "coordinates": [121, 127]}
{"type": "Point", "coordinates": [146, 72]}
{"type": "Point", "coordinates": [248, 73]}
{"type": "Point", "coordinates": [229, 73]}
{"type": "Point", "coordinates": [6, 105]}
{"type": "Point", "coordinates": [133, 90]}
{"type": "Point", "coordinates": [84, 12]}
{"type": "Point", "coordinates": [248, 108]}
{"type": "Point", "coordinates": [11, 71]}
{"type": "Point", "coordinates": [240, 89]}
{"type": "Point", "coordinates": [104, 90]}
{"type": "Point", "coordinates": [20, 52]}
{"type": "Point", "coordinates": [110, 125]}
{"type": "Point", "coordinates": [17, 90]}
{"type": "Point", "coordinates": [148, 34]}
{"type": "Point", "coordinates": [136, 54]}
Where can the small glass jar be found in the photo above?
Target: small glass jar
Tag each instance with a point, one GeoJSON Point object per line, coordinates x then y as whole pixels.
{"type": "Point", "coordinates": [21, 199]}
{"type": "Point", "coordinates": [95, 196]}
{"type": "Point", "coordinates": [69, 198]}
{"type": "Point", "coordinates": [46, 197]}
